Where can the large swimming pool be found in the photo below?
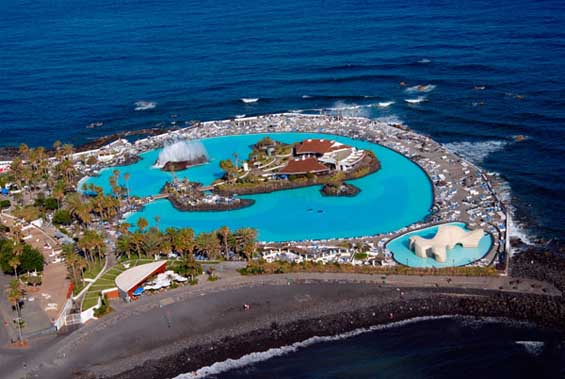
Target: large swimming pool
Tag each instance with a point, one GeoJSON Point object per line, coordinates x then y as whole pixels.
{"type": "Point", "coordinates": [458, 256]}
{"type": "Point", "coordinates": [398, 195]}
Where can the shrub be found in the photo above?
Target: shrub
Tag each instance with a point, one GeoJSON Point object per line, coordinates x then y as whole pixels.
{"type": "Point", "coordinates": [62, 217]}
{"type": "Point", "coordinates": [51, 203]}
{"type": "Point", "coordinates": [4, 204]}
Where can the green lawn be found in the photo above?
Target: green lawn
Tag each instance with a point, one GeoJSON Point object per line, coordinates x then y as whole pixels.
{"type": "Point", "coordinates": [107, 281]}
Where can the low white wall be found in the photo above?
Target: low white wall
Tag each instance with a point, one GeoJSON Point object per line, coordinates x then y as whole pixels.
{"type": "Point", "coordinates": [89, 313]}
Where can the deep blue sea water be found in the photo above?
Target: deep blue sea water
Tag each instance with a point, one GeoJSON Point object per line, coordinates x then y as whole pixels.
{"type": "Point", "coordinates": [442, 348]}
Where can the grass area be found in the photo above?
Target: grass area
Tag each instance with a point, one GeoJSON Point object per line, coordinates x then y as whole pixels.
{"type": "Point", "coordinates": [107, 281]}
{"type": "Point", "coordinates": [90, 273]}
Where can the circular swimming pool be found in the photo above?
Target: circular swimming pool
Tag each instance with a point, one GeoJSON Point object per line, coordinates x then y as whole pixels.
{"type": "Point", "coordinates": [397, 195]}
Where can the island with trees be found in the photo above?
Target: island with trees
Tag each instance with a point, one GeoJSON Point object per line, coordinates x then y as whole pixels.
{"type": "Point", "coordinates": [273, 166]}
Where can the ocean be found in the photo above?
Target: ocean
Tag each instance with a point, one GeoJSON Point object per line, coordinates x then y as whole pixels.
{"type": "Point", "coordinates": [435, 348]}
{"type": "Point", "coordinates": [486, 78]}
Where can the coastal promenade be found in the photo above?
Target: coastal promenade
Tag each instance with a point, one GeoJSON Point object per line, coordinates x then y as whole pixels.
{"type": "Point", "coordinates": [165, 324]}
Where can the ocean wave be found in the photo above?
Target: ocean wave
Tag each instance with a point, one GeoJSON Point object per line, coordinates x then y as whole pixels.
{"type": "Point", "coordinates": [249, 100]}
{"type": "Point", "coordinates": [417, 100]}
{"type": "Point", "coordinates": [385, 104]}
{"type": "Point", "coordinates": [306, 96]}
{"type": "Point", "coordinates": [351, 110]}
{"type": "Point", "coordinates": [143, 105]}
{"type": "Point", "coordinates": [532, 347]}
{"type": "Point", "coordinates": [424, 60]}
{"type": "Point", "coordinates": [248, 359]}
{"type": "Point", "coordinates": [390, 120]}
{"type": "Point", "coordinates": [421, 88]}
{"type": "Point", "coordinates": [476, 152]}
{"type": "Point", "coordinates": [240, 115]}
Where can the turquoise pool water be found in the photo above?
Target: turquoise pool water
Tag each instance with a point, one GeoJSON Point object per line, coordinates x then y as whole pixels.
{"type": "Point", "coordinates": [458, 256]}
{"type": "Point", "coordinates": [396, 196]}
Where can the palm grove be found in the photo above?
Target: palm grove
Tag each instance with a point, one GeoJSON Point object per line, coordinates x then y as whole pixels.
{"type": "Point", "coordinates": [46, 185]}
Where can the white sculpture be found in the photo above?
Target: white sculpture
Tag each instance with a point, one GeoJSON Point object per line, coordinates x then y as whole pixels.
{"type": "Point", "coordinates": [446, 237]}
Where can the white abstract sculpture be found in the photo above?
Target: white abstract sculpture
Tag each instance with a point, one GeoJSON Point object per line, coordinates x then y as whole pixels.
{"type": "Point", "coordinates": [446, 237]}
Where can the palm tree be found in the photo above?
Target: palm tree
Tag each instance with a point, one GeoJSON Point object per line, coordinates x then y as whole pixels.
{"type": "Point", "coordinates": [124, 245]}
{"type": "Point", "coordinates": [224, 232]}
{"type": "Point", "coordinates": [157, 219]}
{"type": "Point", "coordinates": [59, 192]}
{"type": "Point", "coordinates": [208, 244]}
{"type": "Point", "coordinates": [126, 179]}
{"type": "Point", "coordinates": [15, 294]}
{"type": "Point", "coordinates": [142, 224]}
{"type": "Point", "coordinates": [184, 241]}
{"type": "Point", "coordinates": [246, 241]}
{"type": "Point", "coordinates": [14, 263]}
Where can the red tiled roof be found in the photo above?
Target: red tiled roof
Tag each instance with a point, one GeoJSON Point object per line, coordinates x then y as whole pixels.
{"type": "Point", "coordinates": [317, 146]}
{"type": "Point", "coordinates": [303, 166]}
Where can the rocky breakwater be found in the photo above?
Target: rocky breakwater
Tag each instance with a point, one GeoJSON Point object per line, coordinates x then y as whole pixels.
{"type": "Point", "coordinates": [189, 197]}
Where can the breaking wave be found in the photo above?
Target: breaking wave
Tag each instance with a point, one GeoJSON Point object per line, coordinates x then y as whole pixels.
{"type": "Point", "coordinates": [249, 100]}
{"type": "Point", "coordinates": [248, 359]}
{"type": "Point", "coordinates": [417, 100]}
{"type": "Point", "coordinates": [476, 152]}
{"type": "Point", "coordinates": [143, 105]}
{"type": "Point", "coordinates": [385, 104]}
{"type": "Point", "coordinates": [532, 347]}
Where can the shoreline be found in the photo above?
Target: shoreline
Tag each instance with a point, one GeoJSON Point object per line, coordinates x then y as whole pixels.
{"type": "Point", "coordinates": [185, 329]}
{"type": "Point", "coordinates": [280, 335]}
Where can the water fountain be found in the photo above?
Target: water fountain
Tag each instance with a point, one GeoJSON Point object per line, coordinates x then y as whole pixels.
{"type": "Point", "coordinates": [179, 155]}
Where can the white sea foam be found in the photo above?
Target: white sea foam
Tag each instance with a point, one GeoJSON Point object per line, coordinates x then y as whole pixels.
{"type": "Point", "coordinates": [351, 110]}
{"type": "Point", "coordinates": [306, 96]}
{"type": "Point", "coordinates": [240, 115]}
{"type": "Point", "coordinates": [390, 120]}
{"type": "Point", "coordinates": [249, 100]}
{"type": "Point", "coordinates": [143, 105]}
{"type": "Point", "coordinates": [248, 359]}
{"type": "Point", "coordinates": [421, 88]}
{"type": "Point", "coordinates": [516, 230]}
{"type": "Point", "coordinates": [424, 60]}
{"type": "Point", "coordinates": [385, 104]}
{"type": "Point", "coordinates": [417, 100]}
{"type": "Point", "coordinates": [181, 151]}
{"type": "Point", "coordinates": [532, 347]}
{"type": "Point", "coordinates": [476, 152]}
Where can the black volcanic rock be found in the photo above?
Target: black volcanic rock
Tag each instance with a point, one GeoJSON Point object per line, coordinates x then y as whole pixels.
{"type": "Point", "coordinates": [181, 165]}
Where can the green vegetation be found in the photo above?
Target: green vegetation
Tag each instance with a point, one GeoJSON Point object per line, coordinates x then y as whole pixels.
{"type": "Point", "coordinates": [104, 307]}
{"type": "Point", "coordinates": [360, 256]}
{"type": "Point", "coordinates": [4, 204]}
{"type": "Point", "coordinates": [62, 217]}
{"type": "Point", "coordinates": [18, 258]}
{"type": "Point", "coordinates": [258, 268]}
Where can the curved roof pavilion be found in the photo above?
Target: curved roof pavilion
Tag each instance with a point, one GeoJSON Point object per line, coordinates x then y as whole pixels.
{"type": "Point", "coordinates": [130, 279]}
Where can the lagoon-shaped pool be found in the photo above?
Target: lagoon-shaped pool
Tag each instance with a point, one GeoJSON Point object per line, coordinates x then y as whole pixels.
{"type": "Point", "coordinates": [397, 195]}
{"type": "Point", "coordinates": [458, 256]}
